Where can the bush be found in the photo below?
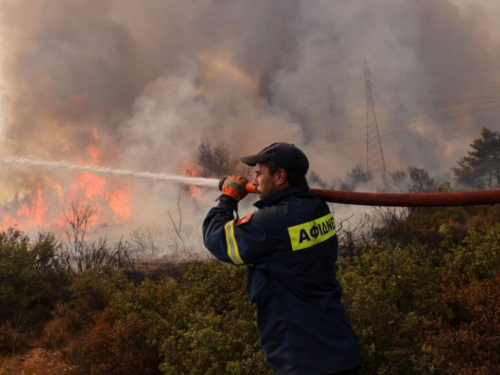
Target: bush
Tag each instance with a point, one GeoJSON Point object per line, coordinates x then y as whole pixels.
{"type": "Point", "coordinates": [417, 306]}
{"type": "Point", "coordinates": [417, 310]}
{"type": "Point", "coordinates": [12, 337]}
{"type": "Point", "coordinates": [203, 324]}
{"type": "Point", "coordinates": [64, 327]}
{"type": "Point", "coordinates": [470, 345]}
{"type": "Point", "coordinates": [119, 344]}
{"type": "Point", "coordinates": [478, 257]}
{"type": "Point", "coordinates": [390, 294]}
{"type": "Point", "coordinates": [127, 334]}
{"type": "Point", "coordinates": [29, 282]}
{"type": "Point", "coordinates": [92, 291]}
{"type": "Point", "coordinates": [216, 331]}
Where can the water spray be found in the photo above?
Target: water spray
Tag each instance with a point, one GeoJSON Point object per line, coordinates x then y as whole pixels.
{"type": "Point", "coordinates": [25, 163]}
{"type": "Point", "coordinates": [467, 198]}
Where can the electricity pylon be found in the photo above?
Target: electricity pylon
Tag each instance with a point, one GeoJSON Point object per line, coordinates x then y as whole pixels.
{"type": "Point", "coordinates": [375, 162]}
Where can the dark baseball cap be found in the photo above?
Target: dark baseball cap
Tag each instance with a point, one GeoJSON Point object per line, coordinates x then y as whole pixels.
{"type": "Point", "coordinates": [285, 154]}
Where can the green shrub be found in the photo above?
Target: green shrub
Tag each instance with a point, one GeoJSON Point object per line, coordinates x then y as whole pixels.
{"type": "Point", "coordinates": [92, 291]}
{"type": "Point", "coordinates": [119, 344]}
{"type": "Point", "coordinates": [28, 281]}
{"type": "Point", "coordinates": [203, 324]}
{"type": "Point", "coordinates": [478, 257]}
{"type": "Point", "coordinates": [420, 310]}
{"type": "Point", "coordinates": [390, 294]}
{"type": "Point", "coordinates": [471, 343]}
{"type": "Point", "coordinates": [127, 333]}
{"type": "Point", "coordinates": [64, 326]}
{"type": "Point", "coordinates": [216, 331]}
{"type": "Point", "coordinates": [417, 308]}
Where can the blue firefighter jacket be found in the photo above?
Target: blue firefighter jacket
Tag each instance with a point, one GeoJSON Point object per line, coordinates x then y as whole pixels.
{"type": "Point", "coordinates": [290, 247]}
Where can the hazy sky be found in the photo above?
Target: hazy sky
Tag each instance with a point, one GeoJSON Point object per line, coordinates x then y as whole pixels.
{"type": "Point", "coordinates": [150, 75]}
{"type": "Point", "coordinates": [488, 11]}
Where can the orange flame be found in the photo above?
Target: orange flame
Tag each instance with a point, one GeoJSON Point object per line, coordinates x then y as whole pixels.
{"type": "Point", "coordinates": [192, 190]}
{"type": "Point", "coordinates": [40, 206]}
{"type": "Point", "coordinates": [120, 204]}
{"type": "Point", "coordinates": [92, 184]}
{"type": "Point", "coordinates": [24, 211]}
{"type": "Point", "coordinates": [36, 213]}
{"type": "Point", "coordinates": [6, 222]}
{"type": "Point", "coordinates": [195, 192]}
{"type": "Point", "coordinates": [33, 211]}
{"type": "Point", "coordinates": [95, 153]}
{"type": "Point", "coordinates": [59, 190]}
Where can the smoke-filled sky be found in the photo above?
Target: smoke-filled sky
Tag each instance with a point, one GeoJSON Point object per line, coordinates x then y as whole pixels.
{"type": "Point", "coordinates": [150, 79]}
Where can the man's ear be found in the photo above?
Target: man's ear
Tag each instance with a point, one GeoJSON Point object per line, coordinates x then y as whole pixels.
{"type": "Point", "coordinates": [280, 177]}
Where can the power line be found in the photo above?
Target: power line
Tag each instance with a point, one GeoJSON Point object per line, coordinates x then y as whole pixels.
{"type": "Point", "coordinates": [328, 99]}
{"type": "Point", "coordinates": [323, 100]}
{"type": "Point", "coordinates": [375, 162]}
{"type": "Point", "coordinates": [405, 128]}
{"type": "Point", "coordinates": [361, 129]}
{"type": "Point", "coordinates": [359, 132]}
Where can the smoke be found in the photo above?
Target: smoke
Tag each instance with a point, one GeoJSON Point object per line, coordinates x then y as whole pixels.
{"type": "Point", "coordinates": [154, 78]}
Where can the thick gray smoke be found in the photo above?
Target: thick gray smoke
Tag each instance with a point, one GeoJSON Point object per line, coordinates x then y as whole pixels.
{"type": "Point", "coordinates": [146, 81]}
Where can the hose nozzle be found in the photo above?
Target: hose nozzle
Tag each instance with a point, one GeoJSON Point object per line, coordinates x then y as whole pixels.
{"type": "Point", "coordinates": [249, 187]}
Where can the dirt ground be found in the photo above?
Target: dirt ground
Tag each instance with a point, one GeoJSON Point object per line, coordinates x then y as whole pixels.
{"type": "Point", "coordinates": [37, 361]}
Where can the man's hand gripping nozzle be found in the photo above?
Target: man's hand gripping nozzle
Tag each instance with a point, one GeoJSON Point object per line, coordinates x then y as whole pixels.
{"type": "Point", "coordinates": [236, 187]}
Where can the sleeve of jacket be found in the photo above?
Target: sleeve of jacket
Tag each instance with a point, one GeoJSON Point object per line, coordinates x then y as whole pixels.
{"type": "Point", "coordinates": [232, 243]}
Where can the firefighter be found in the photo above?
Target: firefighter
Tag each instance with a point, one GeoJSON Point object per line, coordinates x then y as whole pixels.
{"type": "Point", "coordinates": [289, 246]}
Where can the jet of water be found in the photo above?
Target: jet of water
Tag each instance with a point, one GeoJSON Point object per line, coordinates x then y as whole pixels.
{"type": "Point", "coordinates": [25, 163]}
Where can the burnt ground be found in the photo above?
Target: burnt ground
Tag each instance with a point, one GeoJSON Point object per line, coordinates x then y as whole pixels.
{"type": "Point", "coordinates": [37, 361]}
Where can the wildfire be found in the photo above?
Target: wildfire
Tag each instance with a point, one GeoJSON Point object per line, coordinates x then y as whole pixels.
{"type": "Point", "coordinates": [44, 206]}
{"type": "Point", "coordinates": [6, 222]}
{"type": "Point", "coordinates": [192, 190]}
{"type": "Point", "coordinates": [59, 190]}
{"type": "Point", "coordinates": [120, 203]}
{"type": "Point", "coordinates": [34, 213]}
{"type": "Point", "coordinates": [95, 153]}
{"type": "Point", "coordinates": [92, 184]}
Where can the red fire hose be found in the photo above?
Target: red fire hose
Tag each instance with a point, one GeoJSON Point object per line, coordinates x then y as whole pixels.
{"type": "Point", "coordinates": [467, 198]}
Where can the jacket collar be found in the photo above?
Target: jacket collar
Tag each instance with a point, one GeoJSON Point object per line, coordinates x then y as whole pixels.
{"type": "Point", "coordinates": [280, 195]}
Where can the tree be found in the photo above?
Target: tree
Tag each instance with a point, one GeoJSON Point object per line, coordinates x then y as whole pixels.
{"type": "Point", "coordinates": [316, 180]}
{"type": "Point", "coordinates": [80, 254]}
{"type": "Point", "coordinates": [29, 282]}
{"type": "Point", "coordinates": [395, 181]}
{"type": "Point", "coordinates": [217, 161]}
{"type": "Point", "coordinates": [481, 168]}
{"type": "Point", "coordinates": [356, 177]}
{"type": "Point", "coordinates": [412, 179]}
{"type": "Point", "coordinates": [421, 181]}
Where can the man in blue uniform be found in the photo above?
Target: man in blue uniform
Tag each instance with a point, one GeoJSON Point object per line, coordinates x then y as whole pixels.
{"type": "Point", "coordinates": [290, 247]}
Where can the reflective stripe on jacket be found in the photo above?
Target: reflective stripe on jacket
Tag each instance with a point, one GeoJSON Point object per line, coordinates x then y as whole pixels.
{"type": "Point", "coordinates": [290, 245]}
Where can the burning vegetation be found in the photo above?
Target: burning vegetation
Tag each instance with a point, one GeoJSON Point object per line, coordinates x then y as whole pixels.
{"type": "Point", "coordinates": [42, 209]}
